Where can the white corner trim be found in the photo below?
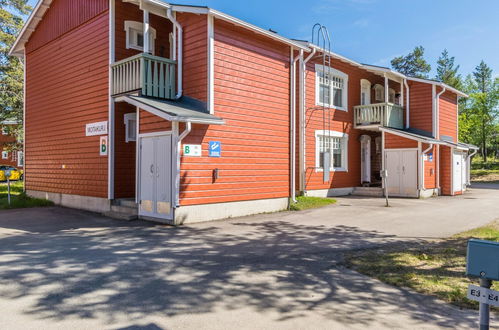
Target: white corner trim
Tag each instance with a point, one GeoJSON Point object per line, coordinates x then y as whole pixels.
{"type": "Point", "coordinates": [110, 157]}
{"type": "Point", "coordinates": [211, 64]}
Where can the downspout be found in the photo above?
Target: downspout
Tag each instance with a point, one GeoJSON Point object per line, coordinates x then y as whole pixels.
{"type": "Point", "coordinates": [177, 55]}
{"type": "Point", "coordinates": [407, 122]}
{"type": "Point", "coordinates": [187, 130]}
{"type": "Point", "coordinates": [437, 159]}
{"type": "Point", "coordinates": [303, 98]}
{"type": "Point", "coordinates": [422, 165]}
{"type": "Point", "coordinates": [468, 167]}
{"type": "Point", "coordinates": [293, 125]}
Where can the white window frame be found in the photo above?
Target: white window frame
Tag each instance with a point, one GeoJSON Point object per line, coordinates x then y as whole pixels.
{"type": "Point", "coordinates": [132, 29]}
{"type": "Point", "coordinates": [20, 159]}
{"type": "Point", "coordinates": [5, 155]}
{"type": "Point", "coordinates": [128, 117]}
{"type": "Point", "coordinates": [365, 85]}
{"type": "Point", "coordinates": [392, 94]}
{"type": "Point", "coordinates": [344, 95]}
{"type": "Point", "coordinates": [344, 150]}
{"type": "Point", "coordinates": [381, 90]}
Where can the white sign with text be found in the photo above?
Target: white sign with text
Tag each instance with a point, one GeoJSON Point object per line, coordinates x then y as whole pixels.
{"type": "Point", "coordinates": [93, 129]}
{"type": "Point", "coordinates": [483, 295]}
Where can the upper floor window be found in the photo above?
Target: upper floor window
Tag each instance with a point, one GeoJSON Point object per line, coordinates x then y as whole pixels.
{"type": "Point", "coordinates": [379, 93]}
{"type": "Point", "coordinates": [130, 127]}
{"type": "Point", "coordinates": [336, 143]}
{"type": "Point", "coordinates": [331, 88]}
{"type": "Point", "coordinates": [135, 36]}
{"type": "Point", "coordinates": [365, 92]}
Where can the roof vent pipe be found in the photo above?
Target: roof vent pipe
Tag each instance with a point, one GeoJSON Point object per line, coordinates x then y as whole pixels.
{"type": "Point", "coordinates": [169, 14]}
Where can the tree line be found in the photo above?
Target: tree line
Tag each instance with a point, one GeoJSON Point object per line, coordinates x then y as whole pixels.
{"type": "Point", "coordinates": [478, 114]}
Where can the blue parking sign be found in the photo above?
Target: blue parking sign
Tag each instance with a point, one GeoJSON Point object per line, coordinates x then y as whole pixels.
{"type": "Point", "coordinates": [215, 149]}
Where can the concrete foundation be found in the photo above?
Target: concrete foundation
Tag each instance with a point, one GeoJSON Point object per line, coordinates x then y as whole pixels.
{"type": "Point", "coordinates": [427, 193]}
{"type": "Point", "coordinates": [94, 204]}
{"type": "Point", "coordinates": [330, 192]}
{"type": "Point", "coordinates": [218, 211]}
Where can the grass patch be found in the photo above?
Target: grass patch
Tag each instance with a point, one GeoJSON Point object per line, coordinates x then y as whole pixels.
{"type": "Point", "coordinates": [434, 268]}
{"type": "Point", "coordinates": [306, 202]}
{"type": "Point", "coordinates": [484, 175]}
{"type": "Point", "coordinates": [18, 198]}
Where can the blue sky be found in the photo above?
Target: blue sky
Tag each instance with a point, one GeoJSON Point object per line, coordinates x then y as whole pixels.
{"type": "Point", "coordinates": [375, 31]}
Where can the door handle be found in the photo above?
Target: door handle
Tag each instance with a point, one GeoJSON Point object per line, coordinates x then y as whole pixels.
{"type": "Point", "coordinates": [152, 169]}
{"type": "Point", "coordinates": [157, 171]}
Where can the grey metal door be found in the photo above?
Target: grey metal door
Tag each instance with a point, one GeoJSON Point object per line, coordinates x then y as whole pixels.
{"type": "Point", "coordinates": [156, 177]}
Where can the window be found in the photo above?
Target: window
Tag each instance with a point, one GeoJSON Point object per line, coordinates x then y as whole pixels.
{"type": "Point", "coordinates": [135, 36]}
{"type": "Point", "coordinates": [5, 155]}
{"type": "Point", "coordinates": [331, 88]}
{"type": "Point", "coordinates": [5, 131]}
{"type": "Point", "coordinates": [130, 127]}
{"type": "Point", "coordinates": [14, 156]}
{"type": "Point", "coordinates": [337, 144]}
{"type": "Point", "coordinates": [365, 92]}
{"type": "Point", "coordinates": [379, 93]}
{"type": "Point", "coordinates": [391, 95]}
{"type": "Point", "coordinates": [20, 158]}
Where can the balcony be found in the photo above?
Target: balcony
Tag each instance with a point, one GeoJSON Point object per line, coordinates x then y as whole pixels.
{"type": "Point", "coordinates": [144, 73]}
{"type": "Point", "coordinates": [380, 114]}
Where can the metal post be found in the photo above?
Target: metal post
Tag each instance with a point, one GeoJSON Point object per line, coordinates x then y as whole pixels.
{"type": "Point", "coordinates": [8, 190]}
{"type": "Point", "coordinates": [484, 308]}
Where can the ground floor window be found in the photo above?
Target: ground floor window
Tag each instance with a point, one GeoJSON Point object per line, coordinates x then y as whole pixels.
{"type": "Point", "coordinates": [337, 145]}
{"type": "Point", "coordinates": [5, 154]}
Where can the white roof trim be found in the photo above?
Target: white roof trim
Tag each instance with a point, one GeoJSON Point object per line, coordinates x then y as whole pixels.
{"type": "Point", "coordinates": [437, 83]}
{"type": "Point", "coordinates": [29, 27]}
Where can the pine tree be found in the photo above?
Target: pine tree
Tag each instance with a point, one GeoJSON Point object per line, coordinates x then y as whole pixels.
{"type": "Point", "coordinates": [413, 64]}
{"type": "Point", "coordinates": [11, 68]}
{"type": "Point", "coordinates": [483, 77]}
{"type": "Point", "coordinates": [447, 71]}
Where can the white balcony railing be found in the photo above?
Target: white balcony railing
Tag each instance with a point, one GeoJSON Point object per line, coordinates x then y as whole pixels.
{"type": "Point", "coordinates": [379, 114]}
{"type": "Point", "coordinates": [150, 75]}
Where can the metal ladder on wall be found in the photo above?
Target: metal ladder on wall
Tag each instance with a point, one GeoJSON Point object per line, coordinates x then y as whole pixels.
{"type": "Point", "coordinates": [321, 38]}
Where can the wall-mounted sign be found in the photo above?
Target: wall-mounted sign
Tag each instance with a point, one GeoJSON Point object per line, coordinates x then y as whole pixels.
{"type": "Point", "coordinates": [215, 149]}
{"type": "Point", "coordinates": [99, 128]}
{"type": "Point", "coordinates": [430, 157]}
{"type": "Point", "coordinates": [103, 146]}
{"type": "Point", "coordinates": [192, 150]}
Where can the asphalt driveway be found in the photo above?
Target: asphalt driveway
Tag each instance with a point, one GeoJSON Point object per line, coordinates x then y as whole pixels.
{"type": "Point", "coordinates": [63, 268]}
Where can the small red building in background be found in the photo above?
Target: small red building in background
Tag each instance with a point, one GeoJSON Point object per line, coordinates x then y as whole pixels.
{"type": "Point", "coordinates": [184, 113]}
{"type": "Point", "coordinates": [9, 156]}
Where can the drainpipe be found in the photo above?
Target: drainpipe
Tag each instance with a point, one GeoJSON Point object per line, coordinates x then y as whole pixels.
{"type": "Point", "coordinates": [293, 124]}
{"type": "Point", "coordinates": [422, 165]}
{"type": "Point", "coordinates": [187, 130]}
{"type": "Point", "coordinates": [302, 105]}
{"type": "Point", "coordinates": [437, 111]}
{"type": "Point", "coordinates": [407, 107]}
{"type": "Point", "coordinates": [178, 55]}
{"type": "Point", "coordinates": [468, 167]}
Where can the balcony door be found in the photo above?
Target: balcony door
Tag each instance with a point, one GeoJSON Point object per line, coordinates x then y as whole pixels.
{"type": "Point", "coordinates": [365, 159]}
{"type": "Point", "coordinates": [365, 92]}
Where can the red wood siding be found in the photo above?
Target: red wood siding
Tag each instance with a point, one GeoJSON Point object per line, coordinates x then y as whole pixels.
{"type": "Point", "coordinates": [150, 123]}
{"type": "Point", "coordinates": [420, 115]}
{"type": "Point", "coordinates": [446, 170]}
{"type": "Point", "coordinates": [430, 172]}
{"type": "Point", "coordinates": [62, 17]}
{"type": "Point", "coordinates": [66, 88]}
{"type": "Point", "coordinates": [130, 12]}
{"type": "Point", "coordinates": [195, 55]}
{"type": "Point", "coordinates": [124, 153]}
{"type": "Point", "coordinates": [252, 95]}
{"type": "Point", "coordinates": [397, 142]}
{"type": "Point", "coordinates": [448, 115]}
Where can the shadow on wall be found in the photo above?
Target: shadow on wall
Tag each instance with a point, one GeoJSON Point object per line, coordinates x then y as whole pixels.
{"type": "Point", "coordinates": [78, 268]}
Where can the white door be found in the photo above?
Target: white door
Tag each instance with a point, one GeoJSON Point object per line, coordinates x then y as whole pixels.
{"type": "Point", "coordinates": [365, 158]}
{"type": "Point", "coordinates": [365, 92]}
{"type": "Point", "coordinates": [457, 168]}
{"type": "Point", "coordinates": [402, 168]}
{"type": "Point", "coordinates": [155, 163]}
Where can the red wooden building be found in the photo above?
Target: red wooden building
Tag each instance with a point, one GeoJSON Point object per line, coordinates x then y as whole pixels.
{"type": "Point", "coordinates": [8, 156]}
{"type": "Point", "coordinates": [184, 113]}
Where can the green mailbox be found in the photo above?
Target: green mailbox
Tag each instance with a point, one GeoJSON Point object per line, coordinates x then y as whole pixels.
{"type": "Point", "coordinates": [483, 259]}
